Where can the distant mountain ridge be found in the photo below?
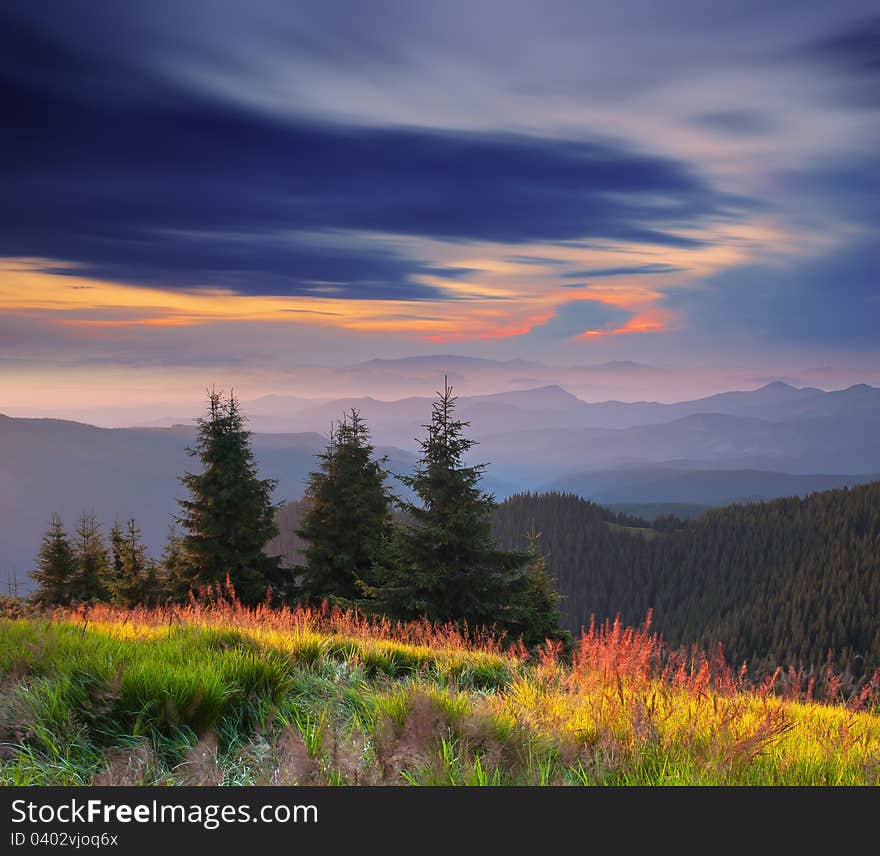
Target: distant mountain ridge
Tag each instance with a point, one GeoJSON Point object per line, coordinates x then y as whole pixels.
{"type": "Point", "coordinates": [442, 362]}
{"type": "Point", "coordinates": [774, 402]}
{"type": "Point", "coordinates": [698, 487]}
{"type": "Point", "coordinates": [763, 443]}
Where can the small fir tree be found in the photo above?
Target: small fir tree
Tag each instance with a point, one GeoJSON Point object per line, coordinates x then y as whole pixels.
{"type": "Point", "coordinates": [174, 573]}
{"type": "Point", "coordinates": [56, 567]}
{"type": "Point", "coordinates": [116, 576]}
{"type": "Point", "coordinates": [93, 570]}
{"type": "Point", "coordinates": [134, 577]}
{"type": "Point", "coordinates": [537, 614]}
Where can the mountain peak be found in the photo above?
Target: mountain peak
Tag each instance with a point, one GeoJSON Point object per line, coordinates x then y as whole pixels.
{"type": "Point", "coordinates": [782, 391]}
{"type": "Point", "coordinates": [549, 397]}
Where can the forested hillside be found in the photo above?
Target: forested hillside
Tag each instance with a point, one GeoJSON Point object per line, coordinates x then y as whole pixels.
{"type": "Point", "coordinates": [778, 582]}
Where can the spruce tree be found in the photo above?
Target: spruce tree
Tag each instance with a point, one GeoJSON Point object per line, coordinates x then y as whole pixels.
{"type": "Point", "coordinates": [93, 571]}
{"type": "Point", "coordinates": [174, 573]}
{"type": "Point", "coordinates": [445, 564]}
{"type": "Point", "coordinates": [153, 589]}
{"type": "Point", "coordinates": [115, 578]}
{"type": "Point", "coordinates": [347, 519]}
{"type": "Point", "coordinates": [537, 614]}
{"type": "Point", "coordinates": [56, 567]}
{"type": "Point", "coordinates": [134, 577]}
{"type": "Point", "coordinates": [229, 516]}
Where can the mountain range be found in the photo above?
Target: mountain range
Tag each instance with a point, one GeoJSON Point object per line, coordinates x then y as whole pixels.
{"type": "Point", "coordinates": [773, 441]}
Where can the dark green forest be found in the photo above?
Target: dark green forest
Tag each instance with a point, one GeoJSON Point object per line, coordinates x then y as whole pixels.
{"type": "Point", "coordinates": [776, 583]}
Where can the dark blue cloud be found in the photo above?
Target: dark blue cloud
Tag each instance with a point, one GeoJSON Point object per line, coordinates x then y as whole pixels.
{"type": "Point", "coordinates": [534, 260]}
{"type": "Point", "coordinates": [449, 272]}
{"type": "Point", "coordinates": [855, 49]}
{"type": "Point", "coordinates": [247, 264]}
{"type": "Point", "coordinates": [853, 54]}
{"type": "Point", "coordinates": [125, 177]}
{"type": "Point", "coordinates": [599, 273]}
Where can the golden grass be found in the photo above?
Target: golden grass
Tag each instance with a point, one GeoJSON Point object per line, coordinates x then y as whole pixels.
{"type": "Point", "coordinates": [326, 695]}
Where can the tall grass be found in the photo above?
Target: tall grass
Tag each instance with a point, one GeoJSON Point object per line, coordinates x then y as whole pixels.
{"type": "Point", "coordinates": [212, 693]}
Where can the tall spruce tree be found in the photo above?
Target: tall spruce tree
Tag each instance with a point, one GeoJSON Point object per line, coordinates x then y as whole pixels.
{"type": "Point", "coordinates": [93, 571]}
{"type": "Point", "coordinates": [347, 519]}
{"type": "Point", "coordinates": [56, 567]}
{"type": "Point", "coordinates": [445, 564]}
{"type": "Point", "coordinates": [230, 515]}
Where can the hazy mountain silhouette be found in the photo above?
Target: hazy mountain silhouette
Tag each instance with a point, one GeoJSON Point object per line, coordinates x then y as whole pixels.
{"type": "Point", "coordinates": [666, 485]}
{"type": "Point", "coordinates": [51, 465]}
{"type": "Point", "coordinates": [768, 442]}
{"type": "Point", "coordinates": [552, 405]}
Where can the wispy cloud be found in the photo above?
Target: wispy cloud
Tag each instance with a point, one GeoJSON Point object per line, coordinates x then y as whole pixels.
{"type": "Point", "coordinates": [600, 273]}
{"type": "Point", "coordinates": [294, 175]}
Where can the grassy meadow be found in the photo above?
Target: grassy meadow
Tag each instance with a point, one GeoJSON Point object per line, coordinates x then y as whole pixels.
{"type": "Point", "coordinates": [214, 693]}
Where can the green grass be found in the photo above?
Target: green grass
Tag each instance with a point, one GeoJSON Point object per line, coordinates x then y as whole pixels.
{"type": "Point", "coordinates": [133, 703]}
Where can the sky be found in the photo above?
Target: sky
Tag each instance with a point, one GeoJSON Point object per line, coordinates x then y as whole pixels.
{"type": "Point", "coordinates": [226, 192]}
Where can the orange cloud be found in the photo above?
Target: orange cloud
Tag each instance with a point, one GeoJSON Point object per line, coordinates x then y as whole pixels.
{"type": "Point", "coordinates": [503, 331]}
{"type": "Point", "coordinates": [529, 282]}
{"type": "Point", "coordinates": [129, 322]}
{"type": "Point", "coordinates": [502, 297]}
{"type": "Point", "coordinates": [652, 321]}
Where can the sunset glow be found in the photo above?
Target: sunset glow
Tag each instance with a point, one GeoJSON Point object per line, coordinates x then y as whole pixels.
{"type": "Point", "coordinates": [626, 196]}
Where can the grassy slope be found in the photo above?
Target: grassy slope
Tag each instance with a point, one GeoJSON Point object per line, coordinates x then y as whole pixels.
{"type": "Point", "coordinates": [221, 695]}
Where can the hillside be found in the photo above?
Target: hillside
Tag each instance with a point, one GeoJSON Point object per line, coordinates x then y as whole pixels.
{"type": "Point", "coordinates": [215, 694]}
{"type": "Point", "coordinates": [776, 583]}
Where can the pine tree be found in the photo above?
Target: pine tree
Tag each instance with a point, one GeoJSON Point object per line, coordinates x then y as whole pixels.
{"type": "Point", "coordinates": [347, 521]}
{"type": "Point", "coordinates": [174, 573]}
{"type": "Point", "coordinates": [230, 515]}
{"type": "Point", "coordinates": [538, 615]}
{"type": "Point", "coordinates": [116, 576]}
{"type": "Point", "coordinates": [445, 564]}
{"type": "Point", "coordinates": [134, 579]}
{"type": "Point", "coordinates": [56, 566]}
{"type": "Point", "coordinates": [93, 570]}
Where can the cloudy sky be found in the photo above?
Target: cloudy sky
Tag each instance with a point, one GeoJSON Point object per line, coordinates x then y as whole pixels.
{"type": "Point", "coordinates": [202, 191]}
